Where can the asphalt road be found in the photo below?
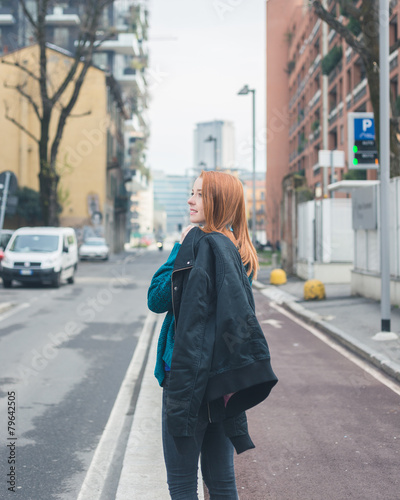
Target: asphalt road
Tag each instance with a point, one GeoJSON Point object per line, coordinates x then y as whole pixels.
{"type": "Point", "coordinates": [329, 430]}
{"type": "Point", "coordinates": [64, 353]}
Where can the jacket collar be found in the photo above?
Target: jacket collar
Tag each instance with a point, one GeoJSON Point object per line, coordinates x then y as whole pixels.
{"type": "Point", "coordinates": [185, 257]}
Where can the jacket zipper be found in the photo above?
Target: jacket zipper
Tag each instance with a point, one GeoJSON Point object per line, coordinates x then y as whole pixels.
{"type": "Point", "coordinates": [209, 413]}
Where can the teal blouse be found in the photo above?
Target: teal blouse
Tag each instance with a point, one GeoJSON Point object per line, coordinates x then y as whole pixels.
{"type": "Point", "coordinates": [159, 300]}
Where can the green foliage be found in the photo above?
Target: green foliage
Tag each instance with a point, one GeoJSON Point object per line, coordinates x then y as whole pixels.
{"type": "Point", "coordinates": [314, 125]}
{"type": "Point", "coordinates": [332, 59]}
{"type": "Point", "coordinates": [290, 67]}
{"type": "Point", "coordinates": [355, 175]}
{"type": "Point", "coordinates": [304, 193]}
{"type": "Point", "coordinates": [354, 26]}
{"type": "Point", "coordinates": [63, 199]}
{"type": "Point", "coordinates": [289, 37]}
{"type": "Point", "coordinates": [29, 207]}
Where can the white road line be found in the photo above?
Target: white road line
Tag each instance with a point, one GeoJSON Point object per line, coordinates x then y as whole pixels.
{"type": "Point", "coordinates": [102, 461]}
{"type": "Point", "coordinates": [14, 310]}
{"type": "Point", "coordinates": [377, 374]}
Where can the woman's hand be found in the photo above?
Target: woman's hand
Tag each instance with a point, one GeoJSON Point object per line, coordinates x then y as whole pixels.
{"type": "Point", "coordinates": [185, 232]}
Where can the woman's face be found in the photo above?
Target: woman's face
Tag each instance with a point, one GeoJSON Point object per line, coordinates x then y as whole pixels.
{"type": "Point", "coordinates": [196, 203]}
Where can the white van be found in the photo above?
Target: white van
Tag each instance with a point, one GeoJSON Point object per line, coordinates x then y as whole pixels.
{"type": "Point", "coordinates": [41, 255]}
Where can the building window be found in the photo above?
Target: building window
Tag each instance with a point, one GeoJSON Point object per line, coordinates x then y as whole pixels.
{"type": "Point", "coordinates": [61, 37]}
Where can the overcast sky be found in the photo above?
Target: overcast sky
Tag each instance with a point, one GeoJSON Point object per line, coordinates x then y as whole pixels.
{"type": "Point", "coordinates": [202, 52]}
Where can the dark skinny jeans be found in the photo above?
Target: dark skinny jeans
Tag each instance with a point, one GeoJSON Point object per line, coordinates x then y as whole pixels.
{"type": "Point", "coordinates": [216, 457]}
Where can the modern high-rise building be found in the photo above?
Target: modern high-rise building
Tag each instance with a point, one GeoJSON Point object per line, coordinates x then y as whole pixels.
{"type": "Point", "coordinates": [171, 193]}
{"type": "Point", "coordinates": [214, 146]}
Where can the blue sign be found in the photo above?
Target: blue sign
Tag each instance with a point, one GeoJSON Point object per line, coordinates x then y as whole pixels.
{"type": "Point", "coordinates": [364, 129]}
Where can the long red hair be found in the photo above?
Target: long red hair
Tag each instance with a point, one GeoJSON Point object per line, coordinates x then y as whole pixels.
{"type": "Point", "coordinates": [225, 212]}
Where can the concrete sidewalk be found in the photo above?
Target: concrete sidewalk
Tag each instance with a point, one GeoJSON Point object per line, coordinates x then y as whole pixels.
{"type": "Point", "coordinates": [354, 321]}
{"type": "Point", "coordinates": [143, 473]}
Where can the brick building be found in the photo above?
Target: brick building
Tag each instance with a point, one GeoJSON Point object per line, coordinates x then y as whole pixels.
{"type": "Point", "coordinates": [306, 110]}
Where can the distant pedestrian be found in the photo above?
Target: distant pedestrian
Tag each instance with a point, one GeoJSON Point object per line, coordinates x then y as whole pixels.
{"type": "Point", "coordinates": [213, 360]}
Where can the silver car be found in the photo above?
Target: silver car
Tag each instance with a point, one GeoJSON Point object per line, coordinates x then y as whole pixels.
{"type": "Point", "coordinates": [94, 248]}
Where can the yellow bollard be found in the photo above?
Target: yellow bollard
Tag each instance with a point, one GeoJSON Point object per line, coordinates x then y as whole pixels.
{"type": "Point", "coordinates": [277, 277]}
{"type": "Point", "coordinates": [314, 290]}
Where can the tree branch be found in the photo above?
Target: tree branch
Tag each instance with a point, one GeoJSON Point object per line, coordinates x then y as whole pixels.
{"type": "Point", "coordinates": [21, 67]}
{"type": "Point", "coordinates": [19, 125]}
{"type": "Point", "coordinates": [86, 42]}
{"type": "Point", "coordinates": [87, 113]}
{"type": "Point", "coordinates": [29, 98]}
{"type": "Point", "coordinates": [61, 108]}
{"type": "Point", "coordinates": [28, 14]}
{"type": "Point", "coordinates": [66, 111]}
{"type": "Point", "coordinates": [350, 8]}
{"type": "Point", "coordinates": [331, 20]}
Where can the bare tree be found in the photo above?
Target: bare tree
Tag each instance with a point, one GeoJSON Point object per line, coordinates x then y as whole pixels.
{"type": "Point", "coordinates": [366, 45]}
{"type": "Point", "coordinates": [51, 101]}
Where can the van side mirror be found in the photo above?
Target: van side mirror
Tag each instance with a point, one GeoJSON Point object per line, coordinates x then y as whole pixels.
{"type": "Point", "coordinates": [66, 249]}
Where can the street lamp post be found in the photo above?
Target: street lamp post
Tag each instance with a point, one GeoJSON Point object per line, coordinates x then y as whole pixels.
{"type": "Point", "coordinates": [210, 138]}
{"type": "Point", "coordinates": [244, 91]}
{"type": "Point", "coordinates": [384, 164]}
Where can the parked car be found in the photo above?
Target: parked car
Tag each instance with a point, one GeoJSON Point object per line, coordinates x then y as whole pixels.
{"type": "Point", "coordinates": [41, 255]}
{"type": "Point", "coordinates": [94, 248]}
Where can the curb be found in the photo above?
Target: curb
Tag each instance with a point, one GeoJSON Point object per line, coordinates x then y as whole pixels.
{"type": "Point", "coordinates": [103, 473]}
{"type": "Point", "coordinates": [290, 303]}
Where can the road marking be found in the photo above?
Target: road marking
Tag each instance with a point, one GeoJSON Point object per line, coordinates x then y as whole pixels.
{"type": "Point", "coordinates": [108, 447]}
{"type": "Point", "coordinates": [276, 323]}
{"type": "Point", "coordinates": [14, 310]}
{"type": "Point", "coordinates": [364, 365]}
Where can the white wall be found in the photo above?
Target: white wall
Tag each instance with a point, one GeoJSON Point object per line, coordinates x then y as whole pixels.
{"type": "Point", "coordinates": [325, 240]}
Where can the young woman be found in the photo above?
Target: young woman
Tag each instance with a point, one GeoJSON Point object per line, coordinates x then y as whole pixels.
{"type": "Point", "coordinates": [213, 360]}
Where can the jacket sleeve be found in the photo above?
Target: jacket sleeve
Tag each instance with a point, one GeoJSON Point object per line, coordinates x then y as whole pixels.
{"type": "Point", "coordinates": [192, 355]}
{"type": "Point", "coordinates": [159, 297]}
{"type": "Point", "coordinates": [236, 430]}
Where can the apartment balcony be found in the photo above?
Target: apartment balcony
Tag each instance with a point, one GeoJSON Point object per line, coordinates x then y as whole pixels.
{"type": "Point", "coordinates": [316, 168]}
{"type": "Point", "coordinates": [6, 17]}
{"type": "Point", "coordinates": [393, 60]}
{"type": "Point", "coordinates": [334, 73]}
{"type": "Point", "coordinates": [140, 83]}
{"type": "Point", "coordinates": [349, 54]}
{"type": "Point", "coordinates": [126, 78]}
{"type": "Point", "coordinates": [137, 181]}
{"type": "Point", "coordinates": [315, 98]}
{"type": "Point", "coordinates": [124, 43]}
{"type": "Point", "coordinates": [314, 31]}
{"type": "Point", "coordinates": [314, 135]}
{"type": "Point", "coordinates": [332, 117]}
{"type": "Point", "coordinates": [359, 91]}
{"type": "Point", "coordinates": [63, 17]}
{"type": "Point", "coordinates": [315, 65]}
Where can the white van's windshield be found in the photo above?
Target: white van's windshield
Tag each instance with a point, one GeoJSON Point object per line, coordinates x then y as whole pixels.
{"type": "Point", "coordinates": [35, 243]}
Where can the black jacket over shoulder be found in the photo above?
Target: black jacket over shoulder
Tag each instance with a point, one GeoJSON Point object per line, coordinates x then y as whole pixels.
{"type": "Point", "coordinates": [219, 346]}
